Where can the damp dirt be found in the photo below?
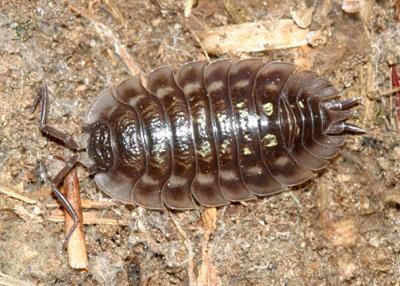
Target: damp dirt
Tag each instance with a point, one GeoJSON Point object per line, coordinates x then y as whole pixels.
{"type": "Point", "coordinates": [341, 228]}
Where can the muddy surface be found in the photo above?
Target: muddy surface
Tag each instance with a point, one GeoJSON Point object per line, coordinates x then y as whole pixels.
{"type": "Point", "coordinates": [342, 228]}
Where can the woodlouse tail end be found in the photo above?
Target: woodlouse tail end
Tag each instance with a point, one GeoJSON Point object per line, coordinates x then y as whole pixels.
{"type": "Point", "coordinates": [344, 127]}
{"type": "Point", "coordinates": [337, 112]}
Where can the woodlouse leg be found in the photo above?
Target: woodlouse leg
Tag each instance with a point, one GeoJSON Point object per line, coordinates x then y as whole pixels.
{"type": "Point", "coordinates": [59, 195]}
{"type": "Point", "coordinates": [43, 96]}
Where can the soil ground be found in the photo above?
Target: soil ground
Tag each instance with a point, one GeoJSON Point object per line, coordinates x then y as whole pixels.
{"type": "Point", "coordinates": [342, 228]}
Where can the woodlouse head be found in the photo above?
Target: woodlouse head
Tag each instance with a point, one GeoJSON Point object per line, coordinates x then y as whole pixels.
{"type": "Point", "coordinates": [99, 147]}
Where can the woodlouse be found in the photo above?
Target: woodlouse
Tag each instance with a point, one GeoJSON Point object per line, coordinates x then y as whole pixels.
{"type": "Point", "coordinates": [209, 133]}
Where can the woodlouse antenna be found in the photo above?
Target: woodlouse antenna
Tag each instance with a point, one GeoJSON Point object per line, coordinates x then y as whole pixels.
{"type": "Point", "coordinates": [43, 97]}
{"type": "Point", "coordinates": [60, 196]}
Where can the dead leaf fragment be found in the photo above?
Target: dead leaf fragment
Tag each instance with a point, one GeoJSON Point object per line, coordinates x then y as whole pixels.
{"type": "Point", "coordinates": [302, 15]}
{"type": "Point", "coordinates": [351, 6]}
{"type": "Point", "coordinates": [253, 37]}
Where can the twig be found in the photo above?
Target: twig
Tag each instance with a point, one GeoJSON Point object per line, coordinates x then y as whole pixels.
{"type": "Point", "coordinates": [187, 10]}
{"type": "Point", "coordinates": [396, 84]}
{"type": "Point", "coordinates": [107, 35]}
{"type": "Point", "coordinates": [115, 12]}
{"type": "Point", "coordinates": [77, 254]}
{"type": "Point", "coordinates": [185, 23]}
{"type": "Point", "coordinates": [89, 204]}
{"type": "Point", "coordinates": [11, 281]}
{"type": "Point", "coordinates": [207, 274]}
{"type": "Point", "coordinates": [196, 38]}
{"type": "Point", "coordinates": [390, 92]}
{"type": "Point", "coordinates": [14, 193]}
{"type": "Point", "coordinates": [189, 247]}
{"type": "Point", "coordinates": [89, 218]}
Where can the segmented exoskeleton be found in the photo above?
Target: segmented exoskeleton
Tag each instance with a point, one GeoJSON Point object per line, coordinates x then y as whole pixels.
{"type": "Point", "coordinates": [209, 133]}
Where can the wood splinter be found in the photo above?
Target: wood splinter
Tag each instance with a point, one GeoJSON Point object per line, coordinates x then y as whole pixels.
{"type": "Point", "coordinates": [76, 246]}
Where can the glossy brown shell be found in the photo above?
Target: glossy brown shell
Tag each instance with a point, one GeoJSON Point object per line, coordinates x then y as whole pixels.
{"type": "Point", "coordinates": [211, 133]}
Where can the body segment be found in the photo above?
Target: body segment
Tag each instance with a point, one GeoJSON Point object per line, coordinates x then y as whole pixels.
{"type": "Point", "coordinates": [211, 133]}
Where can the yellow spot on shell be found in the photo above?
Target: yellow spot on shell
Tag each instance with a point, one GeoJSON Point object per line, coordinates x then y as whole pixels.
{"type": "Point", "coordinates": [301, 104]}
{"type": "Point", "coordinates": [269, 141]}
{"type": "Point", "coordinates": [224, 148]}
{"type": "Point", "coordinates": [268, 108]}
{"type": "Point", "coordinates": [204, 150]}
{"type": "Point", "coordinates": [246, 151]}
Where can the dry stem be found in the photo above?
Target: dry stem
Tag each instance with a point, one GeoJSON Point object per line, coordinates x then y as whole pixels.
{"type": "Point", "coordinates": [88, 218]}
{"type": "Point", "coordinates": [207, 274]}
{"type": "Point", "coordinates": [76, 247]}
{"type": "Point", "coordinates": [396, 84]}
{"type": "Point", "coordinates": [189, 247]}
{"type": "Point", "coordinates": [11, 191]}
{"type": "Point", "coordinates": [12, 281]}
{"type": "Point", "coordinates": [89, 204]}
{"type": "Point", "coordinates": [114, 10]}
{"type": "Point", "coordinates": [107, 35]}
{"type": "Point", "coordinates": [188, 5]}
